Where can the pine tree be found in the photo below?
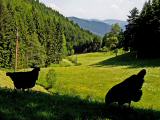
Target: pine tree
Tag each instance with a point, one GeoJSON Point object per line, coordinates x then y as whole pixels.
{"type": "Point", "coordinates": [40, 29]}
{"type": "Point", "coordinates": [131, 28]}
{"type": "Point", "coordinates": [7, 31]}
{"type": "Point", "coordinates": [64, 46]}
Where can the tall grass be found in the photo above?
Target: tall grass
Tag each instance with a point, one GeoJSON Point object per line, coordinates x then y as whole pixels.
{"type": "Point", "coordinates": [18, 105]}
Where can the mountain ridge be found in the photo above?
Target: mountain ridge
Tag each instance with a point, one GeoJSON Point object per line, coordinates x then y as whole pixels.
{"type": "Point", "coordinates": [113, 21]}
{"type": "Point", "coordinates": [98, 27]}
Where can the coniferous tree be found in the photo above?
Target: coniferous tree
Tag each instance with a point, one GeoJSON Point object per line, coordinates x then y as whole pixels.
{"type": "Point", "coordinates": [45, 36]}
{"type": "Point", "coordinates": [64, 46]}
{"type": "Point", "coordinates": [142, 34]}
{"type": "Point", "coordinates": [131, 28]}
{"type": "Point", "coordinates": [8, 31]}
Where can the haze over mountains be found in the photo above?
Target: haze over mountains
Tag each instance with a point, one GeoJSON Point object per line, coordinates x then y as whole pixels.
{"type": "Point", "coordinates": [98, 27]}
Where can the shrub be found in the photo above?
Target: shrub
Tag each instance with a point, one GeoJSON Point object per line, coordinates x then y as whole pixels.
{"type": "Point", "coordinates": [73, 60]}
{"type": "Point", "coordinates": [51, 78]}
{"type": "Point", "coordinates": [104, 49]}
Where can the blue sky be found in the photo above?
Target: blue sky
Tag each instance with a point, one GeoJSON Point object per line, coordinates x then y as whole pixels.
{"type": "Point", "coordinates": [95, 9]}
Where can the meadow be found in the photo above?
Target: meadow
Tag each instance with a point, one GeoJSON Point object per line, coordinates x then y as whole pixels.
{"type": "Point", "coordinates": [78, 91]}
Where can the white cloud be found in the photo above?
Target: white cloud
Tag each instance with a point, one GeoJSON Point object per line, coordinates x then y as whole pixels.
{"type": "Point", "coordinates": [95, 9]}
{"type": "Point", "coordinates": [114, 6]}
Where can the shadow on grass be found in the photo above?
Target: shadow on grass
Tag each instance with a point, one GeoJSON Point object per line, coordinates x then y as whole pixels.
{"type": "Point", "coordinates": [129, 60]}
{"type": "Point", "coordinates": [39, 106]}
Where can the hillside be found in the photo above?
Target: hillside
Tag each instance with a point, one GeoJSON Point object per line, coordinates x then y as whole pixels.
{"type": "Point", "coordinates": [45, 36]}
{"type": "Point", "coordinates": [114, 21]}
{"type": "Point", "coordinates": [122, 23]}
{"type": "Point", "coordinates": [96, 27]}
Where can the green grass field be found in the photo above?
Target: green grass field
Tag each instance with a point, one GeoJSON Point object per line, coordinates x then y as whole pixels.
{"type": "Point", "coordinates": [79, 90]}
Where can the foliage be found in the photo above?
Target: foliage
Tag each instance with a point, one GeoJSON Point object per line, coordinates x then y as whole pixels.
{"type": "Point", "coordinates": [111, 40]}
{"type": "Point", "coordinates": [142, 33]}
{"type": "Point", "coordinates": [91, 46]}
{"type": "Point", "coordinates": [50, 78]}
{"type": "Point", "coordinates": [74, 59]}
{"type": "Point", "coordinates": [130, 32]}
{"type": "Point", "coordinates": [45, 36]}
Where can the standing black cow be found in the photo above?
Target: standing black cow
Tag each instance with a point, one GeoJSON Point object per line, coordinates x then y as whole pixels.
{"type": "Point", "coordinates": [24, 80]}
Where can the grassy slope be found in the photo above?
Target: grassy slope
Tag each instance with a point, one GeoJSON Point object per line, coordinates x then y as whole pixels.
{"type": "Point", "coordinates": [77, 88]}
{"type": "Point", "coordinates": [5, 81]}
{"type": "Point", "coordinates": [94, 78]}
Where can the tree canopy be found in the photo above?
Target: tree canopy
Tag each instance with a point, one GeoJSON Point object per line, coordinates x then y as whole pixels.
{"type": "Point", "coordinates": [142, 34]}
{"type": "Point", "coordinates": [111, 40]}
{"type": "Point", "coordinates": [45, 36]}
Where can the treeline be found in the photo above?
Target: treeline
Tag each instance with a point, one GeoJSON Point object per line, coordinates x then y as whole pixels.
{"type": "Point", "coordinates": [45, 36]}
{"type": "Point", "coordinates": [142, 34]}
{"type": "Point", "coordinates": [113, 39]}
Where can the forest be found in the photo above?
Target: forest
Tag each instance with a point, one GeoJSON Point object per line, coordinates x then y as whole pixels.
{"type": "Point", "coordinates": [142, 34]}
{"type": "Point", "coordinates": [44, 35]}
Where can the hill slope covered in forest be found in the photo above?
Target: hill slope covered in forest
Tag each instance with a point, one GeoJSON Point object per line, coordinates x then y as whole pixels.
{"type": "Point", "coordinates": [45, 36]}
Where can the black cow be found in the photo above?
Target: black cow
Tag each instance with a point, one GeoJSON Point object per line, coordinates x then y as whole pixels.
{"type": "Point", "coordinates": [24, 80]}
{"type": "Point", "coordinates": [127, 91]}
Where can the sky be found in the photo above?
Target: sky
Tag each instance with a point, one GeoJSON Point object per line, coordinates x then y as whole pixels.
{"type": "Point", "coordinates": [95, 9]}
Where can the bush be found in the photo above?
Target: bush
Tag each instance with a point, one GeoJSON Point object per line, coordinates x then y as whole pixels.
{"type": "Point", "coordinates": [63, 63]}
{"type": "Point", "coordinates": [73, 60]}
{"type": "Point", "coordinates": [104, 49]}
{"type": "Point", "coordinates": [51, 79]}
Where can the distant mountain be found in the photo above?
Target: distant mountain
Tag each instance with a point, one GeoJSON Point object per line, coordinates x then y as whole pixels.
{"type": "Point", "coordinates": [94, 26]}
{"type": "Point", "coordinates": [98, 27]}
{"type": "Point", "coordinates": [113, 21]}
